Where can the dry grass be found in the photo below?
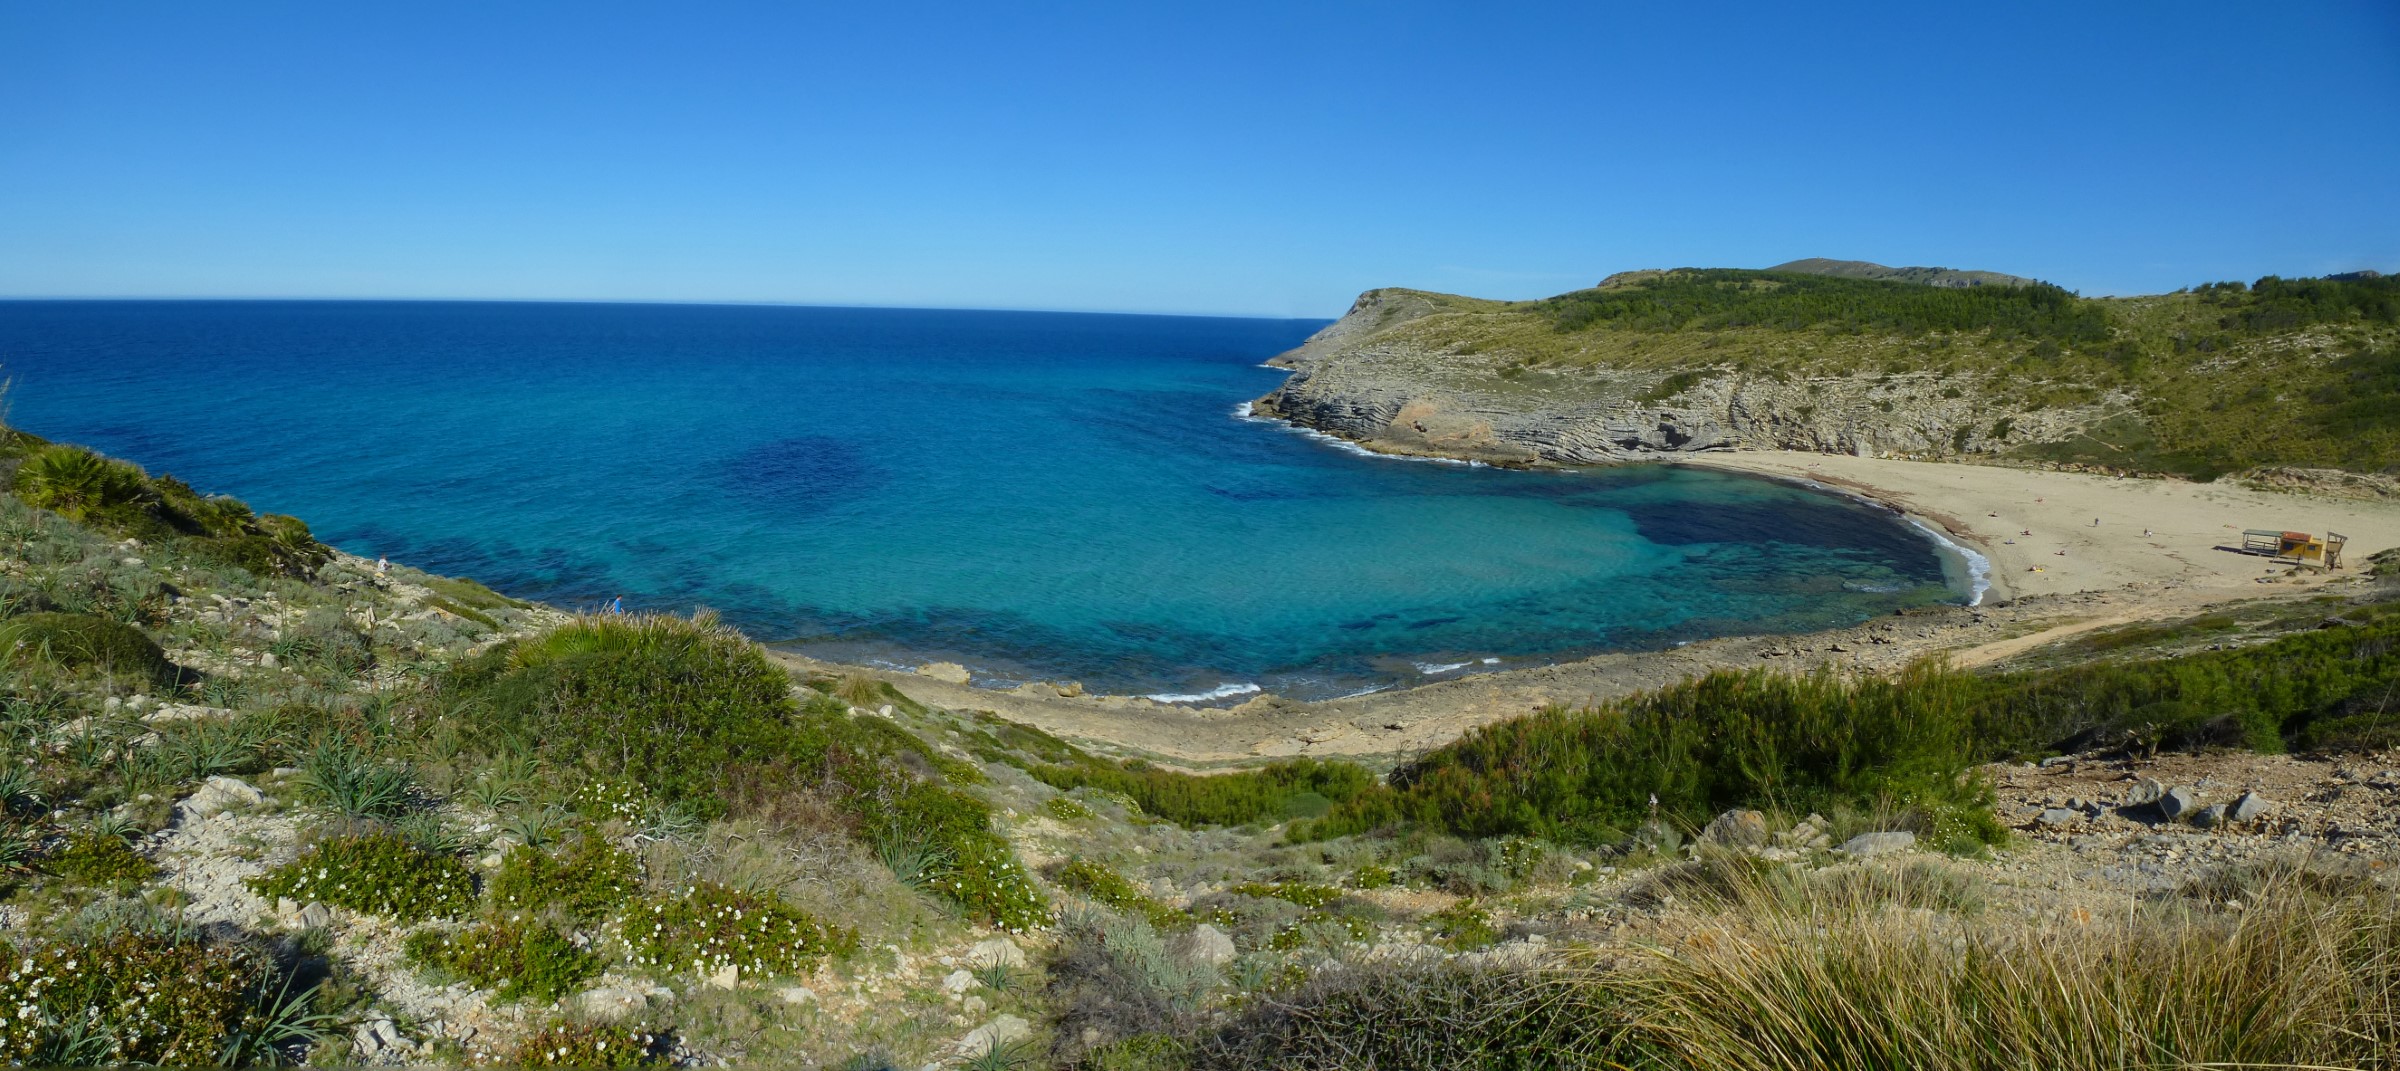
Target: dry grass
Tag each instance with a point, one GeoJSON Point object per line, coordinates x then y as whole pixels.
{"type": "Point", "coordinates": [2292, 980]}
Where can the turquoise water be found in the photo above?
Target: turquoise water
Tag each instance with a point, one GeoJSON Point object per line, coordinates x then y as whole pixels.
{"type": "Point", "coordinates": [1037, 496]}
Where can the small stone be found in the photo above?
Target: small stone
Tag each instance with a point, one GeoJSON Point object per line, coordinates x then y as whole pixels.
{"type": "Point", "coordinates": [1070, 689]}
{"type": "Point", "coordinates": [2210, 817]}
{"type": "Point", "coordinates": [2178, 803]}
{"type": "Point", "coordinates": [2144, 792]}
{"type": "Point", "coordinates": [1209, 944]}
{"type": "Point", "coordinates": [1866, 845]}
{"type": "Point", "coordinates": [958, 983]}
{"type": "Point", "coordinates": [315, 917]}
{"type": "Point", "coordinates": [220, 794]}
{"type": "Point", "coordinates": [1737, 829]}
{"type": "Point", "coordinates": [727, 978]}
{"type": "Point", "coordinates": [2058, 816]}
{"type": "Point", "coordinates": [997, 950]}
{"type": "Point", "coordinates": [992, 1035]}
{"type": "Point", "coordinates": [2250, 807]}
{"type": "Point", "coordinates": [973, 1006]}
{"type": "Point", "coordinates": [797, 994]}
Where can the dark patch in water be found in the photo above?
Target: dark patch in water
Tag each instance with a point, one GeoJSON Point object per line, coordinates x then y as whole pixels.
{"type": "Point", "coordinates": [1433, 622]}
{"type": "Point", "coordinates": [804, 470]}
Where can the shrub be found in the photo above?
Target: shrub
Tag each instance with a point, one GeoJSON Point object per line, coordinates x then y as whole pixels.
{"type": "Point", "coordinates": [1104, 886]}
{"type": "Point", "coordinates": [1463, 926]}
{"type": "Point", "coordinates": [589, 880]}
{"type": "Point", "coordinates": [80, 484]}
{"type": "Point", "coordinates": [659, 701]}
{"type": "Point", "coordinates": [1407, 1016]}
{"type": "Point", "coordinates": [1275, 792]}
{"type": "Point", "coordinates": [97, 858]}
{"type": "Point", "coordinates": [87, 640]}
{"type": "Point", "coordinates": [1113, 978]}
{"type": "Point", "coordinates": [142, 998]}
{"type": "Point", "coordinates": [593, 1045]}
{"type": "Point", "coordinates": [2328, 687]}
{"type": "Point", "coordinates": [987, 880]}
{"type": "Point", "coordinates": [1067, 809]}
{"type": "Point", "coordinates": [517, 958]}
{"type": "Point", "coordinates": [379, 872]}
{"type": "Point", "coordinates": [708, 927]}
{"type": "Point", "coordinates": [965, 862]}
{"type": "Point", "coordinates": [1754, 739]}
{"type": "Point", "coordinates": [355, 784]}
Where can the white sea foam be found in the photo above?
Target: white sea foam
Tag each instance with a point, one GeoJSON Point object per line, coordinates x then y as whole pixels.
{"type": "Point", "coordinates": [1244, 412]}
{"type": "Point", "coordinates": [1431, 668]}
{"type": "Point", "coordinates": [1979, 568]}
{"type": "Point", "coordinates": [1365, 691]}
{"type": "Point", "coordinates": [1491, 661]}
{"type": "Point", "coordinates": [1222, 691]}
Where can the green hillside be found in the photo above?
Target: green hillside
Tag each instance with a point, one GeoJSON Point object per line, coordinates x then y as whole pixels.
{"type": "Point", "coordinates": [2220, 378]}
{"type": "Point", "coordinates": [1860, 269]}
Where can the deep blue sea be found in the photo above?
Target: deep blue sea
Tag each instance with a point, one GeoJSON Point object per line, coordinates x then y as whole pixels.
{"type": "Point", "coordinates": [1035, 495]}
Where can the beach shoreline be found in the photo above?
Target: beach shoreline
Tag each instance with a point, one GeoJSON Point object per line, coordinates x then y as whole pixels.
{"type": "Point", "coordinates": [2102, 551]}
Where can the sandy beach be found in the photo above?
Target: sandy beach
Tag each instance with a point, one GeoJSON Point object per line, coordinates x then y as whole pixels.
{"type": "Point", "coordinates": [2157, 551]}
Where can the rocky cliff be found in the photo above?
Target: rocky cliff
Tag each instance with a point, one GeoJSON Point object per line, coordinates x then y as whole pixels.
{"type": "Point", "coordinates": [1409, 373]}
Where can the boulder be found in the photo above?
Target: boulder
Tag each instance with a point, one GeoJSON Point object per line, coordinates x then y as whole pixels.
{"type": "Point", "coordinates": [2144, 793]}
{"type": "Point", "coordinates": [1866, 845]}
{"type": "Point", "coordinates": [2250, 807]}
{"type": "Point", "coordinates": [220, 794]}
{"type": "Point", "coordinates": [997, 950]}
{"type": "Point", "coordinates": [1211, 945]}
{"type": "Point", "coordinates": [1000, 1031]}
{"type": "Point", "coordinates": [946, 672]}
{"type": "Point", "coordinates": [726, 978]}
{"type": "Point", "coordinates": [958, 982]}
{"type": "Point", "coordinates": [2210, 817]}
{"type": "Point", "coordinates": [2178, 803]}
{"type": "Point", "coordinates": [1737, 829]}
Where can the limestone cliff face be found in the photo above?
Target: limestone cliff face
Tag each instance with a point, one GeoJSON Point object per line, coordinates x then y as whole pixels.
{"type": "Point", "coordinates": [1405, 392]}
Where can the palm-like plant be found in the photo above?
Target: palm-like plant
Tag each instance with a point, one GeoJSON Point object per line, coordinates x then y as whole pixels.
{"type": "Point", "coordinates": [73, 482]}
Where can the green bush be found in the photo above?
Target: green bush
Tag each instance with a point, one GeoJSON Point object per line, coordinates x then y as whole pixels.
{"type": "Point", "coordinates": [2328, 687]}
{"type": "Point", "coordinates": [1463, 926]}
{"type": "Point", "coordinates": [708, 927]}
{"type": "Point", "coordinates": [83, 485]}
{"type": "Point", "coordinates": [1103, 885]}
{"type": "Point", "coordinates": [591, 878]}
{"type": "Point", "coordinates": [1275, 792]}
{"type": "Point", "coordinates": [96, 858]}
{"type": "Point", "coordinates": [379, 872]}
{"type": "Point", "coordinates": [517, 958]}
{"type": "Point", "coordinates": [1755, 739]}
{"type": "Point", "coordinates": [87, 640]}
{"type": "Point", "coordinates": [141, 998]}
{"type": "Point", "coordinates": [586, 1045]}
{"type": "Point", "coordinates": [667, 703]}
{"type": "Point", "coordinates": [986, 879]}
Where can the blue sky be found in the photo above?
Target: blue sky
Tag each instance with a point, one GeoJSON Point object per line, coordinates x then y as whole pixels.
{"type": "Point", "coordinates": [1270, 158]}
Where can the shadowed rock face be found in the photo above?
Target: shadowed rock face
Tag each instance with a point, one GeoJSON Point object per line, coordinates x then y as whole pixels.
{"type": "Point", "coordinates": [1405, 392]}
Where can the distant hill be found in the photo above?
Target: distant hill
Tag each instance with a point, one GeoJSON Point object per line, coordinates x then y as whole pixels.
{"type": "Point", "coordinates": [1846, 357]}
{"type": "Point", "coordinates": [1860, 269]}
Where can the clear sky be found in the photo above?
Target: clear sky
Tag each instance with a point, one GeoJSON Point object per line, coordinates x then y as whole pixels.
{"type": "Point", "coordinates": [1271, 158]}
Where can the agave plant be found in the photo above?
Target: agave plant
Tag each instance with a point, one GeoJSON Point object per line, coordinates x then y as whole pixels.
{"type": "Point", "coordinates": [73, 482]}
{"type": "Point", "coordinates": [349, 781]}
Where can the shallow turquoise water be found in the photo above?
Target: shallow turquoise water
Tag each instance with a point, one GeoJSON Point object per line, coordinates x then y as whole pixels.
{"type": "Point", "coordinates": [1035, 495]}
